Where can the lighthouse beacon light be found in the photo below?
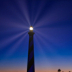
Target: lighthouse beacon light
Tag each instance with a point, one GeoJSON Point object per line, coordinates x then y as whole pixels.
{"type": "Point", "coordinates": [31, 28]}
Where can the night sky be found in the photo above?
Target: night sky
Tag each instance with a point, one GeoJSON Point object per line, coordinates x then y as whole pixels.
{"type": "Point", "coordinates": [52, 22]}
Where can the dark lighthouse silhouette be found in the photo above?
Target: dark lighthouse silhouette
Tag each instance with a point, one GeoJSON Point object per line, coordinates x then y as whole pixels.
{"type": "Point", "coordinates": [30, 65]}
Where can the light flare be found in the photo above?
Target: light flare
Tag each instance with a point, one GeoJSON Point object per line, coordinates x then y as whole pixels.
{"type": "Point", "coordinates": [31, 28]}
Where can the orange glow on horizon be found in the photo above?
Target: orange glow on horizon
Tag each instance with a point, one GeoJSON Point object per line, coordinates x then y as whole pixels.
{"type": "Point", "coordinates": [35, 70]}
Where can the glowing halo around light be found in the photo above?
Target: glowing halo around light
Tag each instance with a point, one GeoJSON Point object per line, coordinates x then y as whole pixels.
{"type": "Point", "coordinates": [31, 28]}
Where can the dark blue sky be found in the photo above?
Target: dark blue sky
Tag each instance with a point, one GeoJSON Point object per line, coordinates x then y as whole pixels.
{"type": "Point", "coordinates": [52, 22]}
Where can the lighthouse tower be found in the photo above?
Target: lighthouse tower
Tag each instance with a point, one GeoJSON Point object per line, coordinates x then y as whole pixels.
{"type": "Point", "coordinates": [30, 65]}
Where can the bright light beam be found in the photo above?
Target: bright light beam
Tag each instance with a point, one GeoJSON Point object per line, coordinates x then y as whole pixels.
{"type": "Point", "coordinates": [24, 10]}
{"type": "Point", "coordinates": [11, 39]}
{"type": "Point", "coordinates": [14, 47]}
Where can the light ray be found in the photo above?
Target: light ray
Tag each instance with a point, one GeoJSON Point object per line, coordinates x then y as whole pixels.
{"type": "Point", "coordinates": [17, 14]}
{"type": "Point", "coordinates": [8, 23]}
{"type": "Point", "coordinates": [24, 8]}
{"type": "Point", "coordinates": [45, 59]}
{"type": "Point", "coordinates": [39, 11]}
{"type": "Point", "coordinates": [55, 15]}
{"type": "Point", "coordinates": [48, 43]}
{"type": "Point", "coordinates": [41, 34]}
{"type": "Point", "coordinates": [7, 41]}
{"type": "Point", "coordinates": [15, 46]}
{"type": "Point", "coordinates": [38, 44]}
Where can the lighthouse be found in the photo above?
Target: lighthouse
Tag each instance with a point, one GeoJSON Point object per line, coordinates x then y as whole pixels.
{"type": "Point", "coordinates": [30, 65]}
